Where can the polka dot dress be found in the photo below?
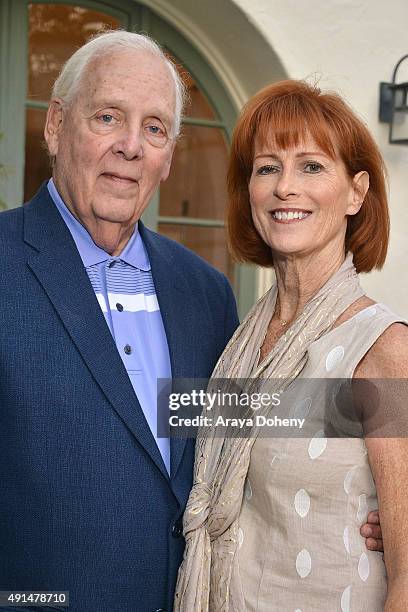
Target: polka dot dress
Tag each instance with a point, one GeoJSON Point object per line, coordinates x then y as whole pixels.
{"type": "Point", "coordinates": [300, 548]}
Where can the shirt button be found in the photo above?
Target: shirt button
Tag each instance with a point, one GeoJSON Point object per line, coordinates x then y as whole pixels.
{"type": "Point", "coordinates": [128, 349]}
{"type": "Point", "coordinates": [111, 263]}
{"type": "Point", "coordinates": [119, 307]}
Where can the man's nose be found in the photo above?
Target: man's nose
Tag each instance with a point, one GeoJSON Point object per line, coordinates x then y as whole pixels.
{"type": "Point", "coordinates": [286, 184]}
{"type": "Point", "coordinates": [130, 143]}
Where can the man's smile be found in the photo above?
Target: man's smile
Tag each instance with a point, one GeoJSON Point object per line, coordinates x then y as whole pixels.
{"type": "Point", "coordinates": [119, 178]}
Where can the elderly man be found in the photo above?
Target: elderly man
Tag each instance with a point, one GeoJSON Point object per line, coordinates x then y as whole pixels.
{"type": "Point", "coordinates": [95, 308]}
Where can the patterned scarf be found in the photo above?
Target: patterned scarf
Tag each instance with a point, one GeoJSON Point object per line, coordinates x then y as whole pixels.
{"type": "Point", "coordinates": [208, 580]}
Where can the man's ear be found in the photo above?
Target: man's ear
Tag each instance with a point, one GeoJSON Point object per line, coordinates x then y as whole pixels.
{"type": "Point", "coordinates": [53, 124]}
{"type": "Point", "coordinates": [360, 185]}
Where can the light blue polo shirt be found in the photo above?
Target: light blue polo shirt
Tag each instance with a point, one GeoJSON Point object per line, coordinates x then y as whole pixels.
{"type": "Point", "coordinates": [125, 291]}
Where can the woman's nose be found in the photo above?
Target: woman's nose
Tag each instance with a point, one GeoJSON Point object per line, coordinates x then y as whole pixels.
{"type": "Point", "coordinates": [286, 184]}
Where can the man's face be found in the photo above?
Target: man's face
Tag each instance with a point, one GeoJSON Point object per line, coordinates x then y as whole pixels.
{"type": "Point", "coordinates": [113, 143]}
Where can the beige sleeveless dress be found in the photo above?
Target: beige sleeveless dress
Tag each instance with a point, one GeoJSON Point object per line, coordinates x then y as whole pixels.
{"type": "Point", "coordinates": [300, 549]}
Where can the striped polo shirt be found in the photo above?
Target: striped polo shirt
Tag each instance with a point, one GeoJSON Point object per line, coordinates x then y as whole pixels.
{"type": "Point", "coordinates": [124, 288]}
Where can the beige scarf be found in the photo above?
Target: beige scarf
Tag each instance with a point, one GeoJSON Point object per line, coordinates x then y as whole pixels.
{"type": "Point", "coordinates": [208, 580]}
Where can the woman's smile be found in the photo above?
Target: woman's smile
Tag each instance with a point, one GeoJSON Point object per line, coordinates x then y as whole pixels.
{"type": "Point", "coordinates": [289, 215]}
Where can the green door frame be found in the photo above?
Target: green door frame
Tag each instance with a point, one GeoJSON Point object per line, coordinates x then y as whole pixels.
{"type": "Point", "coordinates": [13, 100]}
{"type": "Point", "coordinates": [13, 64]}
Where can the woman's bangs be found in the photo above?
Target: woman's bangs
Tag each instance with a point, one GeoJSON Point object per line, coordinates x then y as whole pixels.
{"type": "Point", "coordinates": [287, 122]}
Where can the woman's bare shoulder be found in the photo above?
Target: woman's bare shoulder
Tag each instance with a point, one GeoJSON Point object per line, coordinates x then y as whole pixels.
{"type": "Point", "coordinates": [388, 357]}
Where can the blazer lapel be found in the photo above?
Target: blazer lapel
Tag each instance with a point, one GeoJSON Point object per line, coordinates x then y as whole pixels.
{"type": "Point", "coordinates": [172, 292]}
{"type": "Point", "coordinates": [57, 265]}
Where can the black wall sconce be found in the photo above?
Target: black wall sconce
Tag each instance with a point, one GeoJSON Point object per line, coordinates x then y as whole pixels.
{"type": "Point", "coordinates": [394, 106]}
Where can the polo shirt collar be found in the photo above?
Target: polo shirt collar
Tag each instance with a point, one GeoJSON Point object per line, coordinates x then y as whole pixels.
{"type": "Point", "coordinates": [133, 254]}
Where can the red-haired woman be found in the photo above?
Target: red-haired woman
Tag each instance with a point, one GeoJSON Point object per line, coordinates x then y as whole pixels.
{"type": "Point", "coordinates": [273, 523]}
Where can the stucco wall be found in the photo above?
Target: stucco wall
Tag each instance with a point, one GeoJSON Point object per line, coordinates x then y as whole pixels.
{"type": "Point", "coordinates": [351, 45]}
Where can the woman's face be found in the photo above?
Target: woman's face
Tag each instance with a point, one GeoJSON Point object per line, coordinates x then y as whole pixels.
{"type": "Point", "coordinates": [300, 198]}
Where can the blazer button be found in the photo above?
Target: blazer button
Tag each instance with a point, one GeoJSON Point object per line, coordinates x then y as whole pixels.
{"type": "Point", "coordinates": [177, 530]}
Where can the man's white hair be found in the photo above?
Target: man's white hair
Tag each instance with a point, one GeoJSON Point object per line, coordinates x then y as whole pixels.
{"type": "Point", "coordinates": [69, 79]}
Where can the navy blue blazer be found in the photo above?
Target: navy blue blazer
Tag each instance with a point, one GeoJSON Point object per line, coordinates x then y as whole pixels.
{"type": "Point", "coordinates": [86, 504]}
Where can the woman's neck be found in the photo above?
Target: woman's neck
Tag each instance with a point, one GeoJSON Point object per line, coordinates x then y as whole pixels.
{"type": "Point", "coordinates": [299, 279]}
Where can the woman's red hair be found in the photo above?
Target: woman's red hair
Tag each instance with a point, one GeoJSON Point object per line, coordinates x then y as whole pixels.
{"type": "Point", "coordinates": [286, 112]}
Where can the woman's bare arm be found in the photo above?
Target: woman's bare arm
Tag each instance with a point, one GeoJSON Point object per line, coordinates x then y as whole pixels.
{"type": "Point", "coordinates": [388, 456]}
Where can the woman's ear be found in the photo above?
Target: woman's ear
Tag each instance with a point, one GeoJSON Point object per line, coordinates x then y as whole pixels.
{"type": "Point", "coordinates": [359, 187]}
{"type": "Point", "coordinates": [53, 124]}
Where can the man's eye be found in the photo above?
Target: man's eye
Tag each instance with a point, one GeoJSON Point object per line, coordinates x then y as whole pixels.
{"type": "Point", "coordinates": [269, 169]}
{"type": "Point", "coordinates": [313, 167]}
{"type": "Point", "coordinates": [155, 134]}
{"type": "Point", "coordinates": [155, 130]}
{"type": "Point", "coordinates": [106, 118]}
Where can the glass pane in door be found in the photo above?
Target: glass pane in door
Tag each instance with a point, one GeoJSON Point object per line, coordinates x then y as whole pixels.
{"type": "Point", "coordinates": [38, 164]}
{"type": "Point", "coordinates": [196, 186]}
{"type": "Point", "coordinates": [198, 105]}
{"type": "Point", "coordinates": [208, 242]}
{"type": "Point", "coordinates": [55, 32]}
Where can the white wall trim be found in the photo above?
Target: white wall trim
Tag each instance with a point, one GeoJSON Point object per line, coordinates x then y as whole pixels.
{"type": "Point", "coordinates": [204, 45]}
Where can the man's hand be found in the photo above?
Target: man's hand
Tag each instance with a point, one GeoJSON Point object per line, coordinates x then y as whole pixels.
{"type": "Point", "coordinates": [372, 532]}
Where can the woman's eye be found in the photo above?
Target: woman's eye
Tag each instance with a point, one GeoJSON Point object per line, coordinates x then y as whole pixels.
{"type": "Point", "coordinates": [264, 170]}
{"type": "Point", "coordinates": [313, 167]}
